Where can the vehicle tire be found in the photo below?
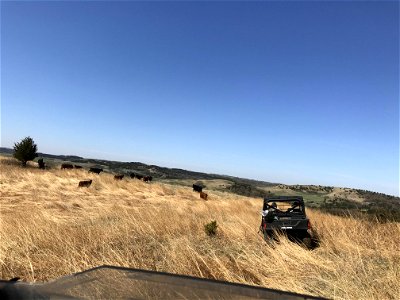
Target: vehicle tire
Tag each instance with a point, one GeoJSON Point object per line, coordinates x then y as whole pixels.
{"type": "Point", "coordinates": [307, 242]}
{"type": "Point", "coordinates": [315, 239]}
{"type": "Point", "coordinates": [268, 239]}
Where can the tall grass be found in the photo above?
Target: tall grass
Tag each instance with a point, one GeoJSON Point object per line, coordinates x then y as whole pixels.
{"type": "Point", "coordinates": [50, 228]}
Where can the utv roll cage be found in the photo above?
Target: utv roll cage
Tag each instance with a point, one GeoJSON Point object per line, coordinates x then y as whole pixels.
{"type": "Point", "coordinates": [286, 204]}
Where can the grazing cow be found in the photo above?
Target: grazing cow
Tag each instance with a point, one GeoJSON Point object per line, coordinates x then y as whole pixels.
{"type": "Point", "coordinates": [119, 176]}
{"type": "Point", "coordinates": [66, 166]}
{"type": "Point", "coordinates": [132, 175]}
{"type": "Point", "coordinates": [77, 167]}
{"type": "Point", "coordinates": [203, 195]}
{"type": "Point", "coordinates": [147, 178]}
{"type": "Point", "coordinates": [197, 188]}
{"type": "Point", "coordinates": [41, 164]}
{"type": "Point", "coordinates": [85, 183]}
{"type": "Point", "coordinates": [138, 176]}
{"type": "Point", "coordinates": [95, 170]}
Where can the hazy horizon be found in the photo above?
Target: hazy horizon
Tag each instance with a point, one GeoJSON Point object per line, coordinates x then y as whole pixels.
{"type": "Point", "coordinates": [288, 92]}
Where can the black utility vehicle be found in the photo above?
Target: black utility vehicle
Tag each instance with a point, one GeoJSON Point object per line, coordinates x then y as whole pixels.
{"type": "Point", "coordinates": [287, 215]}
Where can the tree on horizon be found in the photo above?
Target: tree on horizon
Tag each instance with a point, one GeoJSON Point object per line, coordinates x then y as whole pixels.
{"type": "Point", "coordinates": [25, 150]}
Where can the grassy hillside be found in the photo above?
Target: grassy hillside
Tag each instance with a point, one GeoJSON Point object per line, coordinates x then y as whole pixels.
{"type": "Point", "coordinates": [335, 200]}
{"type": "Point", "coordinates": [50, 228]}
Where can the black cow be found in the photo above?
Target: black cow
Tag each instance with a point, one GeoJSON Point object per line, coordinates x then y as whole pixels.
{"type": "Point", "coordinates": [41, 164]}
{"type": "Point", "coordinates": [132, 175]}
{"type": "Point", "coordinates": [119, 176]}
{"type": "Point", "coordinates": [66, 166]}
{"type": "Point", "coordinates": [147, 178]}
{"type": "Point", "coordinates": [137, 176]}
{"type": "Point", "coordinates": [77, 167]}
{"type": "Point", "coordinates": [85, 183]}
{"type": "Point", "coordinates": [95, 170]}
{"type": "Point", "coordinates": [197, 188]}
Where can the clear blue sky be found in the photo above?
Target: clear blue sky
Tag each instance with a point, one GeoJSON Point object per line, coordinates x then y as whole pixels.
{"type": "Point", "coordinates": [291, 92]}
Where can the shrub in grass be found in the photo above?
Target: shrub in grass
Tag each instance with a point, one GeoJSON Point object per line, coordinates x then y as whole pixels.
{"type": "Point", "coordinates": [211, 228]}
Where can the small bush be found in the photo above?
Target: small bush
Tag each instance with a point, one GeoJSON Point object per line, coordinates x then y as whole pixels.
{"type": "Point", "coordinates": [211, 228]}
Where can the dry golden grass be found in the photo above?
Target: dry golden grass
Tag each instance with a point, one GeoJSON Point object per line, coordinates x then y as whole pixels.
{"type": "Point", "coordinates": [50, 228]}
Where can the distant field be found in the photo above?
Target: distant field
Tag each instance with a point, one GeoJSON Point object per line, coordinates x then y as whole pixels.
{"type": "Point", "coordinates": [210, 184]}
{"type": "Point", "coordinates": [51, 228]}
{"type": "Point", "coordinates": [311, 199]}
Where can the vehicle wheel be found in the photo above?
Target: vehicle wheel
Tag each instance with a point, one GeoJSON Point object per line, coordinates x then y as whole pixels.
{"type": "Point", "coordinates": [268, 239]}
{"type": "Point", "coordinates": [307, 242]}
{"type": "Point", "coordinates": [315, 238]}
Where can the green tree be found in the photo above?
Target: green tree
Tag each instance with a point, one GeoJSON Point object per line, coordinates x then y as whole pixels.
{"type": "Point", "coordinates": [25, 150]}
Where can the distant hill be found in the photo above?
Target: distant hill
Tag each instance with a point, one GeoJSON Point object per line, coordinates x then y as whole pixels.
{"type": "Point", "coordinates": [60, 157]}
{"type": "Point", "coordinates": [141, 168]}
{"type": "Point", "coordinates": [6, 150]}
{"type": "Point", "coordinates": [335, 200]}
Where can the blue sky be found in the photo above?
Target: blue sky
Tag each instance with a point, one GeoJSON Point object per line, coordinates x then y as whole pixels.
{"type": "Point", "coordinates": [291, 92]}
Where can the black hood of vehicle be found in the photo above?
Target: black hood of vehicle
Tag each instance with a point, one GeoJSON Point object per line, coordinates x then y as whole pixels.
{"type": "Point", "coordinates": [108, 282]}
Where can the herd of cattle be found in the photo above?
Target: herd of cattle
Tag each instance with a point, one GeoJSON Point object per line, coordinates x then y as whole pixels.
{"type": "Point", "coordinates": [86, 183]}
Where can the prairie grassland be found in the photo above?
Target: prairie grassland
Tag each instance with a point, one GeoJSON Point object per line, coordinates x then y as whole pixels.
{"type": "Point", "coordinates": [50, 228]}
